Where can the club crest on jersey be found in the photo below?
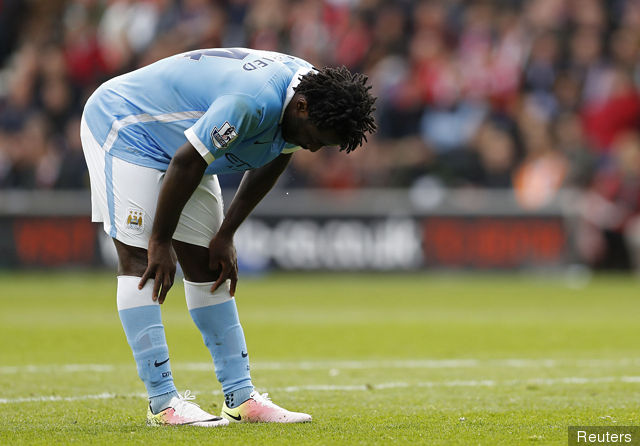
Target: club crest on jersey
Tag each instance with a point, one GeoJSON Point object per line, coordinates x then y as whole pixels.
{"type": "Point", "coordinates": [221, 138]}
{"type": "Point", "coordinates": [135, 220]}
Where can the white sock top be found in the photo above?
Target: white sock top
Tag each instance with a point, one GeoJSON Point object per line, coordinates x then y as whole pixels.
{"type": "Point", "coordinates": [199, 294]}
{"type": "Point", "coordinates": [129, 296]}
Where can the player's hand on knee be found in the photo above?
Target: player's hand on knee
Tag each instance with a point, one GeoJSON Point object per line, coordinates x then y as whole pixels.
{"type": "Point", "coordinates": [161, 266]}
{"type": "Point", "coordinates": [223, 257]}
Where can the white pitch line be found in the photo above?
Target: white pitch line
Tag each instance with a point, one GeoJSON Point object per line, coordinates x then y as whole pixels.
{"type": "Point", "coordinates": [338, 364]}
{"type": "Point", "coordinates": [55, 399]}
{"type": "Point", "coordinates": [577, 380]}
{"type": "Point", "coordinates": [53, 368]}
{"type": "Point", "coordinates": [433, 364]}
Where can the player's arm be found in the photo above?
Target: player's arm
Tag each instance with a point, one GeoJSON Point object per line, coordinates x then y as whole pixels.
{"type": "Point", "coordinates": [181, 179]}
{"type": "Point", "coordinates": [254, 186]}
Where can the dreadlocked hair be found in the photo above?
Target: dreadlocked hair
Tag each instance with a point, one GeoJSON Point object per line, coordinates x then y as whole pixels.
{"type": "Point", "coordinates": [340, 100]}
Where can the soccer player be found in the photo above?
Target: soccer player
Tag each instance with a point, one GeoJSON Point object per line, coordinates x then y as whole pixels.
{"type": "Point", "coordinates": [154, 141]}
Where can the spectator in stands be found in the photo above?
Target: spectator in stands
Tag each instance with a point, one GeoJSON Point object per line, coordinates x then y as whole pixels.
{"type": "Point", "coordinates": [608, 234]}
{"type": "Point", "coordinates": [497, 155]}
{"type": "Point", "coordinates": [543, 170]}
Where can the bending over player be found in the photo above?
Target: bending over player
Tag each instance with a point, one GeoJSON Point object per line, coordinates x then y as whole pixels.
{"type": "Point", "coordinates": [154, 140]}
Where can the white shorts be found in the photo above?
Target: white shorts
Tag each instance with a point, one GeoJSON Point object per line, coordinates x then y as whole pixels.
{"type": "Point", "coordinates": [124, 198]}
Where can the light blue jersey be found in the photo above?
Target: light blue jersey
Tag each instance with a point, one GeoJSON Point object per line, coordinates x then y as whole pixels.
{"type": "Point", "coordinates": [227, 102]}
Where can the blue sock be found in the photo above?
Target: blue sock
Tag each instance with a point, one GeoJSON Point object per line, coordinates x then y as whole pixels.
{"type": "Point", "coordinates": [161, 402]}
{"type": "Point", "coordinates": [142, 323]}
{"type": "Point", "coordinates": [237, 397]}
{"type": "Point", "coordinates": [216, 316]}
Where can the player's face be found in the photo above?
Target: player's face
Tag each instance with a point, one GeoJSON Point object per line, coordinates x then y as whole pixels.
{"type": "Point", "coordinates": [298, 130]}
{"type": "Point", "coordinates": [312, 139]}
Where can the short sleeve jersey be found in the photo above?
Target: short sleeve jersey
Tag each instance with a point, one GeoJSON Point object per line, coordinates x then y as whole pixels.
{"type": "Point", "coordinates": [227, 102]}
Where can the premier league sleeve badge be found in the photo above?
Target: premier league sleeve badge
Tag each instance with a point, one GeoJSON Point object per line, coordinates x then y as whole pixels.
{"type": "Point", "coordinates": [222, 137]}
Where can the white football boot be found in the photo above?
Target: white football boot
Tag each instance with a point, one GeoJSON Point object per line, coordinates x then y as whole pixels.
{"type": "Point", "coordinates": [260, 409]}
{"type": "Point", "coordinates": [182, 412]}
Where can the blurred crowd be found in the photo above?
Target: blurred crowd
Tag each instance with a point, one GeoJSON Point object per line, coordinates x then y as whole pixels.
{"type": "Point", "coordinates": [533, 95]}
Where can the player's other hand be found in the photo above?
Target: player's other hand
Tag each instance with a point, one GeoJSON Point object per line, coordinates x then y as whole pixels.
{"type": "Point", "coordinates": [161, 266]}
{"type": "Point", "coordinates": [223, 258]}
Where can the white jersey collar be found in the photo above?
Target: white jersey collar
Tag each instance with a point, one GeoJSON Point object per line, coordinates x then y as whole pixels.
{"type": "Point", "coordinates": [295, 80]}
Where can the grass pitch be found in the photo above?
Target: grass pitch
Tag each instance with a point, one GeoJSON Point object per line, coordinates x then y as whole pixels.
{"type": "Point", "coordinates": [376, 359]}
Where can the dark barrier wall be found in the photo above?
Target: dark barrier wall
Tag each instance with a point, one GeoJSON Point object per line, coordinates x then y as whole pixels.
{"type": "Point", "coordinates": [494, 242]}
{"type": "Point", "coordinates": [48, 241]}
{"type": "Point", "coordinates": [320, 243]}
{"type": "Point", "coordinates": [374, 231]}
{"type": "Point", "coordinates": [350, 243]}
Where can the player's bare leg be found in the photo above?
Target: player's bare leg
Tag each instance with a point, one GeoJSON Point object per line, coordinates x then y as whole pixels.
{"type": "Point", "coordinates": [216, 316]}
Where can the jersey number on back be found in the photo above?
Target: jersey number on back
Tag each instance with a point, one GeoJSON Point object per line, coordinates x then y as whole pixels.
{"type": "Point", "coordinates": [229, 53]}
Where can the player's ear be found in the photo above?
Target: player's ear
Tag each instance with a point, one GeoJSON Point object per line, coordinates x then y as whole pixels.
{"type": "Point", "coordinates": [302, 105]}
